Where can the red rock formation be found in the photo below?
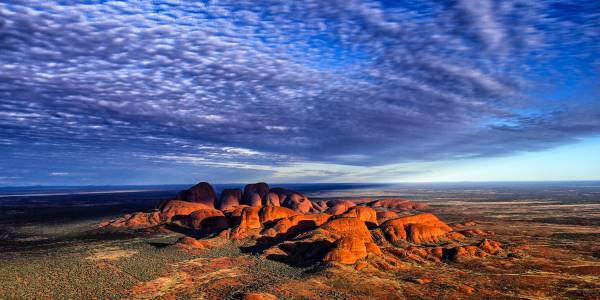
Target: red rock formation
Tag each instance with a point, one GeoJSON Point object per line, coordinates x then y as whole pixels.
{"type": "Point", "coordinates": [367, 214]}
{"type": "Point", "coordinates": [344, 227]}
{"type": "Point", "coordinates": [272, 199]}
{"type": "Point", "coordinates": [250, 218]}
{"type": "Point", "coordinates": [484, 248]}
{"type": "Point", "coordinates": [229, 200]}
{"type": "Point", "coordinates": [416, 228]}
{"type": "Point", "coordinates": [338, 207]}
{"type": "Point", "coordinates": [298, 223]}
{"type": "Point", "coordinates": [180, 208]}
{"type": "Point", "coordinates": [249, 221]}
{"type": "Point", "coordinates": [208, 220]}
{"type": "Point", "coordinates": [138, 220]}
{"type": "Point", "coordinates": [397, 204]}
{"type": "Point", "coordinates": [490, 246]}
{"type": "Point", "coordinates": [261, 189]}
{"type": "Point", "coordinates": [273, 213]}
{"type": "Point", "coordinates": [320, 206]}
{"type": "Point", "coordinates": [254, 200]}
{"type": "Point", "coordinates": [386, 215]}
{"type": "Point", "coordinates": [202, 192]}
{"type": "Point", "coordinates": [347, 250]}
{"type": "Point", "coordinates": [297, 202]}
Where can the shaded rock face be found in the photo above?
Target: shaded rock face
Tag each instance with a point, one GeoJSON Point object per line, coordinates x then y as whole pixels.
{"type": "Point", "coordinates": [229, 199]}
{"type": "Point", "coordinates": [296, 224]}
{"type": "Point", "coordinates": [207, 221]}
{"type": "Point", "coordinates": [255, 200]}
{"type": "Point", "coordinates": [202, 192]}
{"type": "Point", "coordinates": [272, 200]}
{"type": "Point", "coordinates": [416, 228]}
{"type": "Point", "coordinates": [255, 191]}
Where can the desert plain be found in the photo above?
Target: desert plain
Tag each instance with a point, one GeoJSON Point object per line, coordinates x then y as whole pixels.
{"type": "Point", "coordinates": [490, 242]}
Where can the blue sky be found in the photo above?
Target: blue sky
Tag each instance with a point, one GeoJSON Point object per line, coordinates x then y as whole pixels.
{"type": "Point", "coordinates": [150, 92]}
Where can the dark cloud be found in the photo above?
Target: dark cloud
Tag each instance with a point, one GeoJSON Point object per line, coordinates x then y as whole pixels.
{"type": "Point", "coordinates": [246, 86]}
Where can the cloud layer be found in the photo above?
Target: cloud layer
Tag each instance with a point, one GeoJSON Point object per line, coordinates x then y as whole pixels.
{"type": "Point", "coordinates": [241, 85]}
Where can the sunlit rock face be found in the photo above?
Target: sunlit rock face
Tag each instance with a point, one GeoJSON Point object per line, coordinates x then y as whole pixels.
{"type": "Point", "coordinates": [416, 228]}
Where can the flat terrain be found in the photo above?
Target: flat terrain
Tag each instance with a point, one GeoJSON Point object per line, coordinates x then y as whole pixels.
{"type": "Point", "coordinates": [556, 229]}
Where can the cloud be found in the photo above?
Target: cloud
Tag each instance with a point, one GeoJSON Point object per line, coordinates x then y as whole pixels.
{"type": "Point", "coordinates": [59, 173]}
{"type": "Point", "coordinates": [236, 84]}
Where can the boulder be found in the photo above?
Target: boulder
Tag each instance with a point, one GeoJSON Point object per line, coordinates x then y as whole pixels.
{"type": "Point", "coordinates": [416, 228]}
{"type": "Point", "coordinates": [202, 192]}
{"type": "Point", "coordinates": [174, 208]}
{"type": "Point", "coordinates": [229, 199]}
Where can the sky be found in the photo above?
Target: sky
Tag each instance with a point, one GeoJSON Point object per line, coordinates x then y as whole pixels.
{"type": "Point", "coordinates": [151, 92]}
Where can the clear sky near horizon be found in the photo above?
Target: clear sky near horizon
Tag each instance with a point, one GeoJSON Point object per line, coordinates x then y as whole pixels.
{"type": "Point", "coordinates": [163, 92]}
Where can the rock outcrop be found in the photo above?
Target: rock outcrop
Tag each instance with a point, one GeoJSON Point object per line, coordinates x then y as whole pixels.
{"type": "Point", "coordinates": [347, 250]}
{"type": "Point", "coordinates": [285, 225]}
{"type": "Point", "coordinates": [255, 191]}
{"type": "Point", "coordinates": [273, 213]}
{"type": "Point", "coordinates": [366, 214]}
{"type": "Point", "coordinates": [229, 199]}
{"type": "Point", "coordinates": [207, 221]}
{"type": "Point", "coordinates": [202, 192]}
{"type": "Point", "coordinates": [397, 204]}
{"type": "Point", "coordinates": [180, 208]}
{"type": "Point", "coordinates": [338, 207]}
{"type": "Point", "coordinates": [138, 220]}
{"type": "Point", "coordinates": [416, 228]}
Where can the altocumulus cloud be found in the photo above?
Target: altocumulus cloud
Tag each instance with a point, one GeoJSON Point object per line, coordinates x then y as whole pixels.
{"type": "Point", "coordinates": [271, 84]}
